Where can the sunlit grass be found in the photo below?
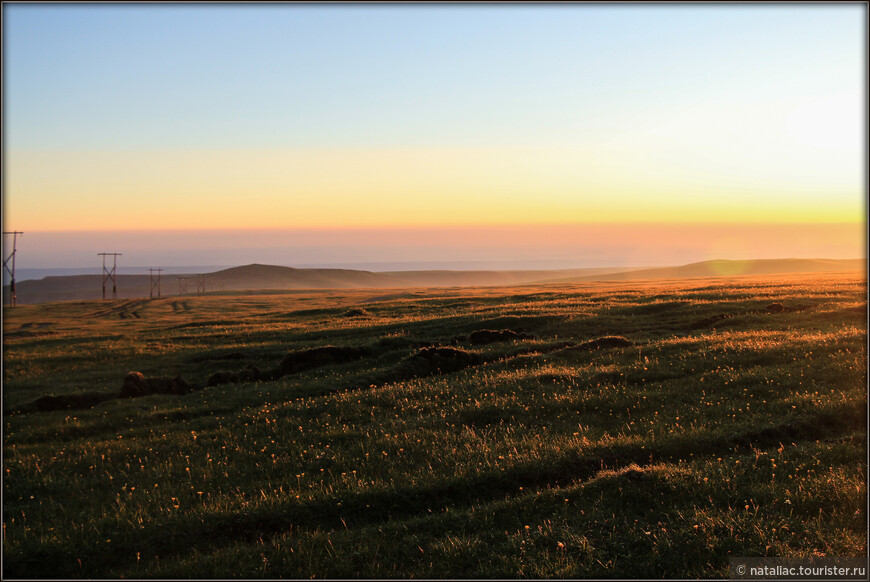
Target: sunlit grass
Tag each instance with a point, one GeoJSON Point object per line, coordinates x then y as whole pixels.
{"type": "Point", "coordinates": [708, 437]}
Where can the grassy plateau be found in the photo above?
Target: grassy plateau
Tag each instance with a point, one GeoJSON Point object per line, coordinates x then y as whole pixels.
{"type": "Point", "coordinates": [624, 429]}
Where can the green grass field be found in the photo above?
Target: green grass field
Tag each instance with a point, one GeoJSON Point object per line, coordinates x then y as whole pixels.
{"type": "Point", "coordinates": [729, 421]}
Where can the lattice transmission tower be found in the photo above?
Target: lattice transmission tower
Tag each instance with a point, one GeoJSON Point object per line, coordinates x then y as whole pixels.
{"type": "Point", "coordinates": [110, 275]}
{"type": "Point", "coordinates": [11, 269]}
{"type": "Point", "coordinates": [155, 280]}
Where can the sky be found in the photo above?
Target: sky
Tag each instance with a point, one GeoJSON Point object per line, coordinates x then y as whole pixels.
{"type": "Point", "coordinates": [304, 134]}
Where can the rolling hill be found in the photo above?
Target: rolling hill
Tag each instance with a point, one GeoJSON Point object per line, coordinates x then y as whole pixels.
{"type": "Point", "coordinates": [270, 277]}
{"type": "Point", "coordinates": [726, 268]}
{"type": "Point", "coordinates": [273, 277]}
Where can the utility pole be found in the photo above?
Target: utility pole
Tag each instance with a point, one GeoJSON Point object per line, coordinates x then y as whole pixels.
{"type": "Point", "coordinates": [155, 282]}
{"type": "Point", "coordinates": [107, 274]}
{"type": "Point", "coordinates": [11, 271]}
{"type": "Point", "coordinates": [201, 282]}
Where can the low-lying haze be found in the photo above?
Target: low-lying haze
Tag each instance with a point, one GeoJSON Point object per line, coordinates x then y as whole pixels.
{"type": "Point", "coordinates": [456, 247]}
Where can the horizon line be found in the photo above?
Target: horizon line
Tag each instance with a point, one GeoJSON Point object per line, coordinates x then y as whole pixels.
{"type": "Point", "coordinates": [470, 225]}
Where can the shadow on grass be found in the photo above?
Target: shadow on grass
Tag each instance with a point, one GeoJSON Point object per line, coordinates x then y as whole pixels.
{"type": "Point", "coordinates": [212, 530]}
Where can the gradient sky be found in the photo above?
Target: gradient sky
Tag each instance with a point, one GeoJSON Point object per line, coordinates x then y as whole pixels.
{"type": "Point", "coordinates": [295, 118]}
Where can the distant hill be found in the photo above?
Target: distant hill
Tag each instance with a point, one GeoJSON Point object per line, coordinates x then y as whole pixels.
{"type": "Point", "coordinates": [473, 278]}
{"type": "Point", "coordinates": [270, 277]}
{"type": "Point", "coordinates": [726, 268]}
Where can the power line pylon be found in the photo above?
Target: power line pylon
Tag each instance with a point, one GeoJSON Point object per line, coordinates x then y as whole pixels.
{"type": "Point", "coordinates": [11, 271]}
{"type": "Point", "coordinates": [155, 281]}
{"type": "Point", "coordinates": [203, 281]}
{"type": "Point", "coordinates": [107, 274]}
{"type": "Point", "coordinates": [182, 285]}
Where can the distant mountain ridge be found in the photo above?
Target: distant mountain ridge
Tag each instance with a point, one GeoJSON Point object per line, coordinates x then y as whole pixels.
{"type": "Point", "coordinates": [270, 277]}
{"type": "Point", "coordinates": [258, 276]}
{"type": "Point", "coordinates": [730, 268]}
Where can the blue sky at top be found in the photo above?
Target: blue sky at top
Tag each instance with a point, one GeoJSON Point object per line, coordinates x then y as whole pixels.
{"type": "Point", "coordinates": [234, 76]}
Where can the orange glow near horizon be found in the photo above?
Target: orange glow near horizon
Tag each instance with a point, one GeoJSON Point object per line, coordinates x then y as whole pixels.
{"type": "Point", "coordinates": [537, 246]}
{"type": "Point", "coordinates": [394, 188]}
